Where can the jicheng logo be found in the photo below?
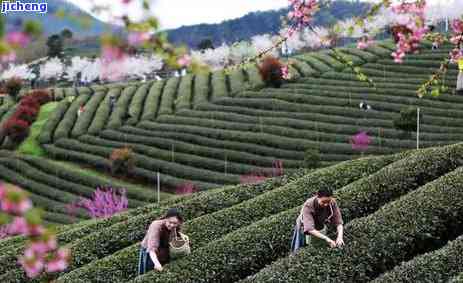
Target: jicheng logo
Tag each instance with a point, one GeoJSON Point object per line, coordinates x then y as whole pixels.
{"type": "Point", "coordinates": [18, 6]}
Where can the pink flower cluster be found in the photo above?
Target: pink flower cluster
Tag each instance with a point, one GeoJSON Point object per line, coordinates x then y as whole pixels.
{"type": "Point", "coordinates": [410, 28]}
{"type": "Point", "coordinates": [184, 61]}
{"type": "Point", "coordinates": [365, 42]}
{"type": "Point", "coordinates": [18, 38]}
{"type": "Point", "coordinates": [360, 141]}
{"type": "Point", "coordinates": [105, 203]}
{"type": "Point", "coordinates": [302, 12]}
{"type": "Point", "coordinates": [138, 38]}
{"type": "Point", "coordinates": [260, 176]}
{"type": "Point", "coordinates": [42, 252]}
{"type": "Point", "coordinates": [285, 72]}
{"type": "Point", "coordinates": [457, 40]}
{"type": "Point", "coordinates": [185, 189]}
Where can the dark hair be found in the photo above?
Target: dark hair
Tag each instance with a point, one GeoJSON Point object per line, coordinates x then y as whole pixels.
{"type": "Point", "coordinates": [173, 212]}
{"type": "Point", "coordinates": [325, 192]}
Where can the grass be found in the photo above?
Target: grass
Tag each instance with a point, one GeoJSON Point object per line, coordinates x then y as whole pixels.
{"type": "Point", "coordinates": [31, 145]}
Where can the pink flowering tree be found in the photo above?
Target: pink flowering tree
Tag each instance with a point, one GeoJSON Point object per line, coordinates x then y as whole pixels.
{"type": "Point", "coordinates": [185, 189]}
{"type": "Point", "coordinates": [105, 202]}
{"type": "Point", "coordinates": [18, 217]}
{"type": "Point", "coordinates": [262, 175]}
{"type": "Point", "coordinates": [360, 141]}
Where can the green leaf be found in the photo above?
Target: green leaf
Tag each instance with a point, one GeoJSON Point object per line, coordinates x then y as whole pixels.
{"type": "Point", "coordinates": [435, 92]}
{"type": "Point", "coordinates": [34, 216]}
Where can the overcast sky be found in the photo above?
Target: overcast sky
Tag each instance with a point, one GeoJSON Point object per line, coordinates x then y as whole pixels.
{"type": "Point", "coordinates": [175, 13]}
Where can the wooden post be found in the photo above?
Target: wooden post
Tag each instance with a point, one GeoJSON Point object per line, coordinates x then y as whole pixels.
{"type": "Point", "coordinates": [159, 187]}
{"type": "Point", "coordinates": [172, 153]}
{"type": "Point", "coordinates": [226, 164]}
{"type": "Point", "coordinates": [418, 128]}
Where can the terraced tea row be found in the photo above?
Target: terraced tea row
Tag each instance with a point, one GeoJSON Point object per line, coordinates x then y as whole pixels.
{"type": "Point", "coordinates": [207, 129]}
{"type": "Point", "coordinates": [238, 236]}
{"type": "Point", "coordinates": [52, 186]}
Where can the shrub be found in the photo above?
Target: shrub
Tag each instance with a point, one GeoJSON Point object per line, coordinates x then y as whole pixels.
{"type": "Point", "coordinates": [13, 87]}
{"type": "Point", "coordinates": [270, 71]}
{"type": "Point", "coordinates": [407, 120]}
{"type": "Point", "coordinates": [26, 113]}
{"type": "Point", "coordinates": [122, 161]}
{"type": "Point", "coordinates": [185, 189]}
{"type": "Point", "coordinates": [42, 96]}
{"type": "Point", "coordinates": [312, 157]}
{"type": "Point", "coordinates": [457, 279]}
{"type": "Point", "coordinates": [16, 130]}
{"type": "Point", "coordinates": [436, 266]}
{"type": "Point", "coordinates": [46, 134]}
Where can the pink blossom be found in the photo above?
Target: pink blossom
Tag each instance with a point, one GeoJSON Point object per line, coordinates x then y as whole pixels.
{"type": "Point", "coordinates": [2, 191]}
{"type": "Point", "coordinates": [18, 226]}
{"type": "Point", "coordinates": [185, 189]}
{"type": "Point", "coordinates": [455, 39]}
{"type": "Point", "coordinates": [455, 55]}
{"type": "Point", "coordinates": [302, 12]}
{"type": "Point", "coordinates": [360, 141]}
{"type": "Point", "coordinates": [39, 248]}
{"type": "Point", "coordinates": [16, 207]}
{"type": "Point", "coordinates": [9, 57]}
{"type": "Point", "coordinates": [56, 265]}
{"type": "Point", "coordinates": [15, 202]}
{"type": "Point", "coordinates": [18, 38]}
{"type": "Point", "coordinates": [365, 42]}
{"type": "Point", "coordinates": [35, 230]}
{"type": "Point", "coordinates": [31, 264]}
{"type": "Point", "coordinates": [138, 38]}
{"type": "Point", "coordinates": [252, 179]}
{"type": "Point", "coordinates": [262, 175]}
{"type": "Point", "coordinates": [457, 26]}
{"type": "Point", "coordinates": [112, 53]}
{"type": "Point", "coordinates": [285, 72]}
{"type": "Point", "coordinates": [185, 60]}
{"type": "Point", "coordinates": [105, 203]}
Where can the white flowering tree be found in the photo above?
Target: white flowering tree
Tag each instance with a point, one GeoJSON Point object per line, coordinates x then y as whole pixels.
{"type": "Point", "coordinates": [20, 71]}
{"type": "Point", "coordinates": [260, 43]}
{"type": "Point", "coordinates": [78, 65]}
{"type": "Point", "coordinates": [52, 69]}
{"type": "Point", "coordinates": [215, 58]}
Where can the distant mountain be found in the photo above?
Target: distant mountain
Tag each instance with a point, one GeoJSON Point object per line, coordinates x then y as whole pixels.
{"type": "Point", "coordinates": [259, 23]}
{"type": "Point", "coordinates": [52, 24]}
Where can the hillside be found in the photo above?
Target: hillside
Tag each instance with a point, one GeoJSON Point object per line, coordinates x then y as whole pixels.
{"type": "Point", "coordinates": [243, 232]}
{"type": "Point", "coordinates": [214, 128]}
{"type": "Point", "coordinates": [80, 23]}
{"type": "Point", "coordinates": [257, 23]}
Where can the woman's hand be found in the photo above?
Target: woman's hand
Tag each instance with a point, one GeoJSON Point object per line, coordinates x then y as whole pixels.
{"type": "Point", "coordinates": [158, 267]}
{"type": "Point", "coordinates": [339, 242]}
{"type": "Point", "coordinates": [331, 243]}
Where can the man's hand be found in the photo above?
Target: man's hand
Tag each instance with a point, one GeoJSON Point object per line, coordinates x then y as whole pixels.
{"type": "Point", "coordinates": [331, 243]}
{"type": "Point", "coordinates": [339, 242]}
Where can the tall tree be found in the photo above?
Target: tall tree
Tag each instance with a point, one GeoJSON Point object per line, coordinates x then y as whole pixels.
{"type": "Point", "coordinates": [55, 45]}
